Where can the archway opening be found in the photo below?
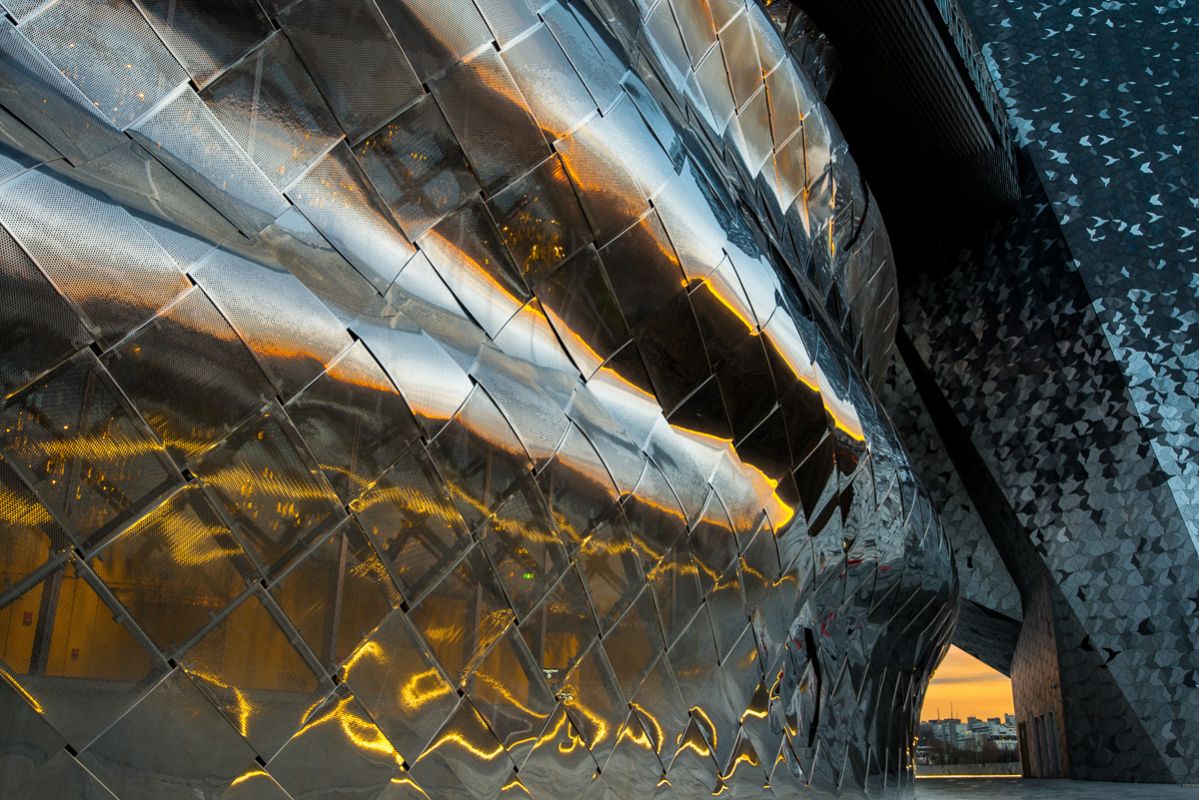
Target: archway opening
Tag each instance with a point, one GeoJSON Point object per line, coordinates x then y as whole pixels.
{"type": "Point", "coordinates": [967, 724]}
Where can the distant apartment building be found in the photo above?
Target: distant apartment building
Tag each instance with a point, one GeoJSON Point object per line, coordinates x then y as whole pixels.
{"type": "Point", "coordinates": [974, 732]}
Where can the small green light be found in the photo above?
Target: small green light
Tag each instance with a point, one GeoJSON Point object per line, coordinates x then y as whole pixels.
{"type": "Point", "coordinates": [528, 576]}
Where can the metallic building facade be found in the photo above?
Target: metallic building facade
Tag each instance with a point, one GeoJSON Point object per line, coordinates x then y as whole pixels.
{"type": "Point", "coordinates": [1049, 395]}
{"type": "Point", "coordinates": [458, 400]}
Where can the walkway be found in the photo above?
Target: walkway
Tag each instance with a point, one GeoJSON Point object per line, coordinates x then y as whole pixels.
{"type": "Point", "coordinates": [1022, 789]}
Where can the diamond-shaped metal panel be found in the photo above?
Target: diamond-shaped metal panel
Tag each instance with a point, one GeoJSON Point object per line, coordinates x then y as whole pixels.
{"type": "Point", "coordinates": [427, 404]}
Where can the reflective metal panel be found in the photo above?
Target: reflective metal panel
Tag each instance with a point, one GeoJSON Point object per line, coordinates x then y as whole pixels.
{"type": "Point", "coordinates": [187, 137]}
{"type": "Point", "coordinates": [108, 50]}
{"type": "Point", "coordinates": [207, 38]}
{"type": "Point", "coordinates": [271, 106]}
{"type": "Point", "coordinates": [459, 417]}
{"type": "Point", "coordinates": [191, 390]}
{"type": "Point", "coordinates": [75, 421]}
{"type": "Point", "coordinates": [40, 327]}
{"type": "Point", "coordinates": [417, 166]}
{"type": "Point", "coordinates": [367, 90]}
{"type": "Point", "coordinates": [336, 196]}
{"type": "Point", "coordinates": [114, 290]}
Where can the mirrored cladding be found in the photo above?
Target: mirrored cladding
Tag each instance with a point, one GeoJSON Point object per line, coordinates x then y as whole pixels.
{"type": "Point", "coordinates": [270, 105]}
{"type": "Point", "coordinates": [381, 81]}
{"type": "Point", "coordinates": [253, 672]}
{"type": "Point", "coordinates": [270, 320]}
{"type": "Point", "coordinates": [271, 489]}
{"type": "Point", "coordinates": [187, 137]}
{"type": "Point", "coordinates": [559, 760]}
{"type": "Point", "coordinates": [49, 103]}
{"type": "Point", "coordinates": [190, 376]}
{"type": "Point", "coordinates": [540, 220]}
{"type": "Point", "coordinates": [633, 769]}
{"type": "Point", "coordinates": [511, 694]}
{"type": "Point", "coordinates": [41, 328]}
{"type": "Point", "coordinates": [491, 119]}
{"type": "Point", "coordinates": [114, 290]}
{"type": "Point", "coordinates": [207, 39]}
{"type": "Point", "coordinates": [108, 50]}
{"type": "Point", "coordinates": [357, 592]}
{"type": "Point", "coordinates": [414, 522]}
{"type": "Point", "coordinates": [79, 678]}
{"type": "Point", "coordinates": [522, 542]}
{"type": "Point", "coordinates": [354, 420]}
{"type": "Point", "coordinates": [197, 565]}
{"type": "Point", "coordinates": [32, 540]}
{"type": "Point", "coordinates": [400, 683]}
{"type": "Point", "coordinates": [558, 106]}
{"type": "Point", "coordinates": [409, 399]}
{"type": "Point", "coordinates": [147, 752]}
{"type": "Point", "coordinates": [464, 759]}
{"type": "Point", "coordinates": [433, 35]}
{"type": "Point", "coordinates": [610, 194]}
{"type": "Point", "coordinates": [464, 614]}
{"type": "Point", "coordinates": [585, 313]}
{"type": "Point", "coordinates": [339, 751]}
{"type": "Point", "coordinates": [75, 421]}
{"type": "Point", "coordinates": [338, 199]}
{"type": "Point", "coordinates": [480, 457]}
{"type": "Point", "coordinates": [417, 166]}
{"type": "Point", "coordinates": [466, 250]}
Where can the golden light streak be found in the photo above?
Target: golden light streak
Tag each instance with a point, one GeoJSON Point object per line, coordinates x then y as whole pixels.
{"type": "Point", "coordinates": [243, 709]}
{"type": "Point", "coordinates": [453, 738]}
{"type": "Point", "coordinates": [844, 415]}
{"type": "Point", "coordinates": [653, 732]}
{"type": "Point", "coordinates": [702, 748]}
{"type": "Point", "coordinates": [11, 681]}
{"type": "Point", "coordinates": [731, 302]}
{"type": "Point", "coordinates": [245, 776]}
{"type": "Point", "coordinates": [19, 511]}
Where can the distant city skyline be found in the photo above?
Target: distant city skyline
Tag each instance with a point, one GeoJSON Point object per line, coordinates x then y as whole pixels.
{"type": "Point", "coordinates": [963, 686]}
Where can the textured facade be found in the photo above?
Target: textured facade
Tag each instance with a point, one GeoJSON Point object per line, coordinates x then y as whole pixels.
{"type": "Point", "coordinates": [1057, 364]}
{"type": "Point", "coordinates": [405, 399]}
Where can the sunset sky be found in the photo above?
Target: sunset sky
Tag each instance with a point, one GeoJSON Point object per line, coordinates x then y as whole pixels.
{"type": "Point", "coordinates": [970, 686]}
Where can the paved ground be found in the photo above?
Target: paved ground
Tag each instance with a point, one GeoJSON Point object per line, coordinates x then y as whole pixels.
{"type": "Point", "coordinates": [1022, 789]}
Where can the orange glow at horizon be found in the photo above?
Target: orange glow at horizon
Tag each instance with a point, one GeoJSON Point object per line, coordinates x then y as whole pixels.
{"type": "Point", "coordinates": [969, 687]}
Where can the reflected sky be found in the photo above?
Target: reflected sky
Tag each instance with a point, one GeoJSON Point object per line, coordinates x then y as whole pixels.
{"type": "Point", "coordinates": [963, 686]}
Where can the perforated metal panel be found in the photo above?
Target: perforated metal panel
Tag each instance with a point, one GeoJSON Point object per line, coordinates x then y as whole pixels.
{"type": "Point", "coordinates": [108, 50]}
{"type": "Point", "coordinates": [435, 34]}
{"type": "Point", "coordinates": [192, 397]}
{"type": "Point", "coordinates": [39, 327]}
{"type": "Point", "coordinates": [271, 319]}
{"type": "Point", "coordinates": [489, 116]}
{"type": "Point", "coordinates": [338, 199]}
{"type": "Point", "coordinates": [363, 92]}
{"type": "Point", "coordinates": [115, 292]}
{"type": "Point", "coordinates": [540, 219]}
{"type": "Point", "coordinates": [207, 38]}
{"type": "Point", "coordinates": [74, 419]}
{"type": "Point", "coordinates": [270, 105]}
{"type": "Point", "coordinates": [560, 106]}
{"type": "Point", "coordinates": [22, 8]}
{"type": "Point", "coordinates": [185, 136]}
{"type": "Point", "coordinates": [495, 451]}
{"type": "Point", "coordinates": [466, 250]}
{"type": "Point", "coordinates": [37, 92]}
{"type": "Point", "coordinates": [418, 167]}
{"type": "Point", "coordinates": [123, 174]}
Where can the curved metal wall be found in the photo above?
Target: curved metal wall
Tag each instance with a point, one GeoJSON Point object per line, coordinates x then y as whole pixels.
{"type": "Point", "coordinates": [407, 399]}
